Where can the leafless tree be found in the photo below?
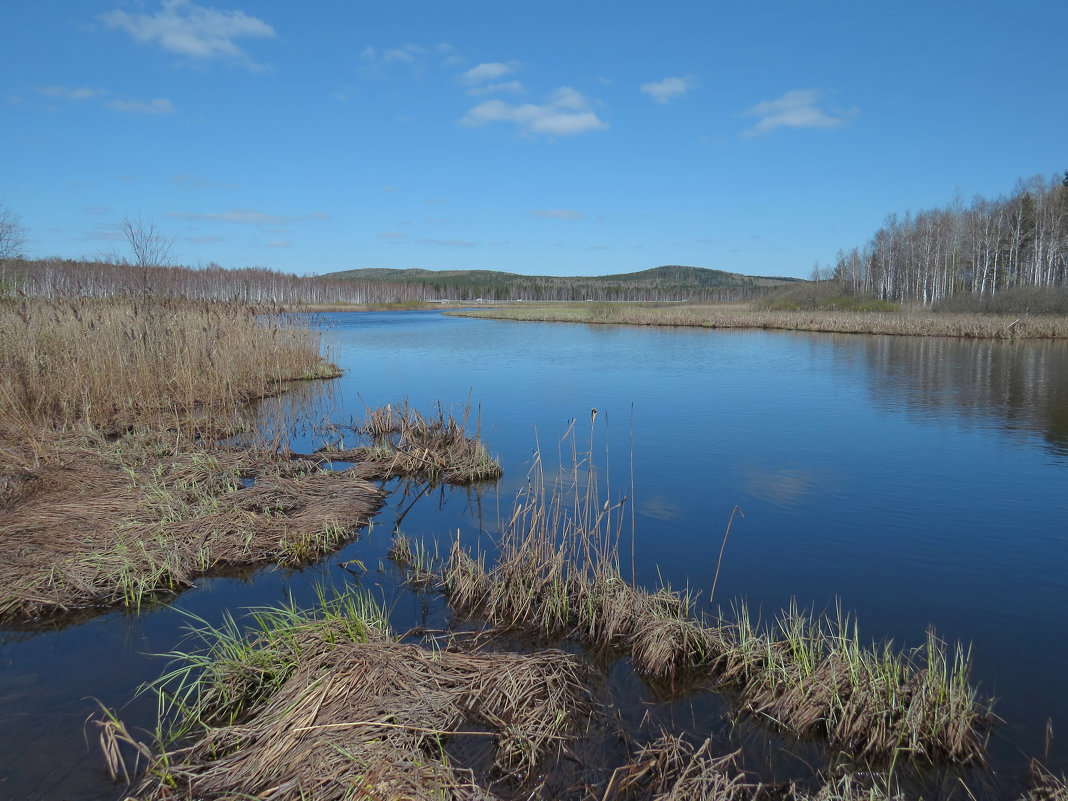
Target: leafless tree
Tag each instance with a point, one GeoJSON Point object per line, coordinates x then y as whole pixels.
{"type": "Point", "coordinates": [150, 246]}
{"type": "Point", "coordinates": [12, 234]}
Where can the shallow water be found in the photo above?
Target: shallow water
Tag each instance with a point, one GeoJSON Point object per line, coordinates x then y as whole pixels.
{"type": "Point", "coordinates": [917, 482]}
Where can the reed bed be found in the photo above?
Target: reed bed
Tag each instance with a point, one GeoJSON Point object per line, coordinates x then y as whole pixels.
{"type": "Point", "coordinates": [557, 574]}
{"type": "Point", "coordinates": [116, 363]}
{"type": "Point", "coordinates": [329, 705]}
{"type": "Point", "coordinates": [912, 322]}
{"type": "Point", "coordinates": [436, 450]}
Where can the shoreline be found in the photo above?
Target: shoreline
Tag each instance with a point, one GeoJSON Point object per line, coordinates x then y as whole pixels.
{"type": "Point", "coordinates": [715, 316]}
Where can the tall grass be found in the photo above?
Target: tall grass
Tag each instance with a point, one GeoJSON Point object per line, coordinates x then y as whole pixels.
{"type": "Point", "coordinates": [119, 362]}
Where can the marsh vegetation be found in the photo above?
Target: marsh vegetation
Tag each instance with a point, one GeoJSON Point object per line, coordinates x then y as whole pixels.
{"type": "Point", "coordinates": [849, 316]}
{"type": "Point", "coordinates": [122, 484]}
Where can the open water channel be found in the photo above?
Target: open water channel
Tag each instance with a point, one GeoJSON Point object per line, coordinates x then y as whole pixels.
{"type": "Point", "coordinates": [917, 482]}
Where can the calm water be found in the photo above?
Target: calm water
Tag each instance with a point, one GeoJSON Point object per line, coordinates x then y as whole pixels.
{"type": "Point", "coordinates": [920, 482]}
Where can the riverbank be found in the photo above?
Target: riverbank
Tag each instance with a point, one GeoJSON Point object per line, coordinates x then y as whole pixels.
{"type": "Point", "coordinates": [718, 315]}
{"type": "Point", "coordinates": [118, 483]}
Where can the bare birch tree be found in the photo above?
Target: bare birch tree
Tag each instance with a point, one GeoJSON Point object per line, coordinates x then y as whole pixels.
{"type": "Point", "coordinates": [12, 234]}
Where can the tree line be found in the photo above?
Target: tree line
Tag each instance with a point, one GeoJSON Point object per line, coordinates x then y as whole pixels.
{"type": "Point", "coordinates": [73, 278]}
{"type": "Point", "coordinates": [983, 248]}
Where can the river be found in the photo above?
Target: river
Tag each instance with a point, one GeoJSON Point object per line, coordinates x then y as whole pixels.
{"type": "Point", "coordinates": [916, 482]}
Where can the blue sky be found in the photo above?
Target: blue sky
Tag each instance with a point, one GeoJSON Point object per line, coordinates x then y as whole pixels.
{"type": "Point", "coordinates": [553, 138]}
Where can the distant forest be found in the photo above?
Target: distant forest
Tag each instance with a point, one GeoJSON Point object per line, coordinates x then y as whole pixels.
{"type": "Point", "coordinates": [669, 283]}
{"type": "Point", "coordinates": [70, 278]}
{"type": "Point", "coordinates": [983, 248]}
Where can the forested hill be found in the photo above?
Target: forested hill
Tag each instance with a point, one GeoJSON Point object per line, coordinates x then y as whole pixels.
{"type": "Point", "coordinates": [660, 283]}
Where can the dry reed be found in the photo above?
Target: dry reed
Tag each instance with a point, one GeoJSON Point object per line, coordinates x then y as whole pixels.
{"type": "Point", "coordinates": [328, 705]}
{"type": "Point", "coordinates": [435, 450]}
{"type": "Point", "coordinates": [116, 363]}
{"type": "Point", "coordinates": [913, 322]}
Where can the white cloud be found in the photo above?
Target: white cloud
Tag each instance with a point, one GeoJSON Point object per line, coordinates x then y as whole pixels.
{"type": "Point", "coordinates": [406, 53]}
{"type": "Point", "coordinates": [566, 113]}
{"type": "Point", "coordinates": [488, 72]}
{"type": "Point", "coordinates": [192, 31]}
{"type": "Point", "coordinates": [558, 214]}
{"type": "Point", "coordinates": [795, 109]}
{"type": "Point", "coordinates": [393, 234]}
{"type": "Point", "coordinates": [67, 93]}
{"type": "Point", "coordinates": [160, 105]}
{"type": "Point", "coordinates": [669, 89]}
{"type": "Point", "coordinates": [247, 217]}
{"type": "Point", "coordinates": [507, 86]}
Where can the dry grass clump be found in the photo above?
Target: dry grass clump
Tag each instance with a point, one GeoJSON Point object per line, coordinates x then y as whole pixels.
{"type": "Point", "coordinates": [670, 769]}
{"type": "Point", "coordinates": [330, 706]}
{"type": "Point", "coordinates": [435, 450]}
{"type": "Point", "coordinates": [120, 362]}
{"type": "Point", "coordinates": [1046, 785]}
{"type": "Point", "coordinates": [912, 322]}
{"type": "Point", "coordinates": [116, 522]}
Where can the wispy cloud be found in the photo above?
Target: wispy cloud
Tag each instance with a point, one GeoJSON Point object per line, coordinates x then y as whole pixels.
{"type": "Point", "coordinates": [492, 88]}
{"type": "Point", "coordinates": [558, 214]}
{"type": "Point", "coordinates": [247, 217]}
{"type": "Point", "coordinates": [491, 71]}
{"type": "Point", "coordinates": [668, 89]}
{"type": "Point", "coordinates": [566, 113]}
{"type": "Point", "coordinates": [192, 31]}
{"type": "Point", "coordinates": [405, 53]}
{"type": "Point", "coordinates": [69, 93]}
{"type": "Point", "coordinates": [412, 54]}
{"type": "Point", "coordinates": [160, 105]}
{"type": "Point", "coordinates": [800, 108]}
{"type": "Point", "coordinates": [393, 234]}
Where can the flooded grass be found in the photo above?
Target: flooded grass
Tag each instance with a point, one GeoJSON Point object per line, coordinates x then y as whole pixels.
{"type": "Point", "coordinates": [909, 322]}
{"type": "Point", "coordinates": [126, 521]}
{"type": "Point", "coordinates": [557, 574]}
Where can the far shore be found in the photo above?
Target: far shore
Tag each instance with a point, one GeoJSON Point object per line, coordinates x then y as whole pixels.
{"type": "Point", "coordinates": [910, 322]}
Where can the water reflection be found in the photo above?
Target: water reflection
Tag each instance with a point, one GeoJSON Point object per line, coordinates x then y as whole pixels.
{"type": "Point", "coordinates": [1020, 387]}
